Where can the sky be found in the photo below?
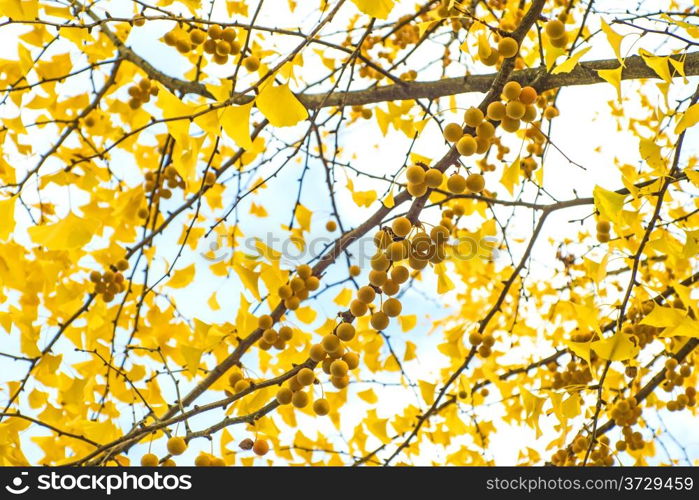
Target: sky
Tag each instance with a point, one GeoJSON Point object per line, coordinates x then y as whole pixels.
{"type": "Point", "coordinates": [584, 131]}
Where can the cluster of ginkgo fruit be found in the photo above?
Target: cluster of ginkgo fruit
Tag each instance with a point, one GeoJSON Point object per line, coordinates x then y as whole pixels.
{"type": "Point", "coordinates": [238, 382]}
{"type": "Point", "coordinates": [272, 337]}
{"type": "Point", "coordinates": [675, 376]}
{"type": "Point", "coordinates": [421, 178]}
{"type": "Point", "coordinates": [160, 185]}
{"type": "Point", "coordinates": [599, 456]}
{"type": "Point", "coordinates": [141, 93]}
{"type": "Point", "coordinates": [556, 31]}
{"type": "Point", "coordinates": [110, 283]}
{"type": "Point", "coordinates": [603, 227]}
{"type": "Point", "coordinates": [574, 373]}
{"type": "Point", "coordinates": [361, 111]}
{"type": "Point", "coordinates": [507, 47]}
{"type": "Point", "coordinates": [298, 287]}
{"type": "Point", "coordinates": [484, 342]}
{"type": "Point", "coordinates": [217, 41]}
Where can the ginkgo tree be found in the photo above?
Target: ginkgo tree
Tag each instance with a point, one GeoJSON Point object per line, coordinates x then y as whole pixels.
{"type": "Point", "coordinates": [347, 232]}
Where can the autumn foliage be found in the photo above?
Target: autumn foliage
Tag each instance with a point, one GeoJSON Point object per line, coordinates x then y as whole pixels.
{"type": "Point", "coordinates": [361, 232]}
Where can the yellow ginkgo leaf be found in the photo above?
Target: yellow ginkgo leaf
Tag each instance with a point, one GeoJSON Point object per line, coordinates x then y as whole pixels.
{"type": "Point", "coordinates": [608, 203]}
{"type": "Point", "coordinates": [303, 217]}
{"type": "Point", "coordinates": [510, 176]}
{"type": "Point", "coordinates": [689, 119]}
{"type": "Point", "coordinates": [7, 217]}
{"type": "Point", "coordinates": [407, 322]}
{"type": "Point", "coordinates": [427, 391]}
{"type": "Point", "coordinates": [618, 347]}
{"type": "Point", "coordinates": [343, 298]}
{"type": "Point", "coordinates": [192, 357]}
{"type": "Point", "coordinates": [613, 37]}
{"type": "Point", "coordinates": [235, 121]}
{"type": "Point", "coordinates": [650, 153]}
{"type": "Point", "coordinates": [369, 396]}
{"type": "Point", "coordinates": [410, 350]}
{"type": "Point", "coordinates": [249, 279]}
{"type": "Point", "coordinates": [658, 64]}
{"type": "Point", "coordinates": [375, 8]}
{"type": "Point", "coordinates": [182, 277]}
{"type": "Point", "coordinates": [67, 234]}
{"type": "Point", "coordinates": [569, 64]}
{"type": "Point", "coordinates": [613, 76]}
{"type": "Point", "coordinates": [280, 106]}
{"type": "Point", "coordinates": [306, 314]}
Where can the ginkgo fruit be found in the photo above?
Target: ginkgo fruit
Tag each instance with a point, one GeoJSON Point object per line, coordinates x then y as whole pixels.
{"type": "Point", "coordinates": [339, 382]}
{"type": "Point", "coordinates": [392, 307]}
{"type": "Point", "coordinates": [555, 28]}
{"type": "Point", "coordinates": [331, 226]}
{"type": "Point", "coordinates": [515, 109]}
{"type": "Point", "coordinates": [305, 376]}
{"type": "Point", "coordinates": [297, 284]}
{"type": "Point", "coordinates": [511, 90]}
{"type": "Point", "coordinates": [382, 239]}
{"type": "Point", "coordinates": [300, 399]}
{"type": "Point", "coordinates": [355, 270]}
{"type": "Point", "coordinates": [286, 333]}
{"type": "Point", "coordinates": [285, 292]}
{"type": "Point", "coordinates": [345, 331]}
{"type": "Point", "coordinates": [251, 63]}
{"type": "Point", "coordinates": [234, 377]}
{"type": "Point", "coordinates": [401, 226]}
{"type": "Point", "coordinates": [390, 287]}
{"type": "Point", "coordinates": [260, 447]}
{"type": "Point", "coordinates": [197, 36]}
{"type": "Point", "coordinates": [270, 335]}
{"type": "Point", "coordinates": [321, 407]}
{"type": "Point", "coordinates": [202, 461]}
{"type": "Point", "coordinates": [312, 283]}
{"type": "Point", "coordinates": [379, 320]}
{"type": "Point", "coordinates": [456, 184]}
{"type": "Point", "coordinates": [399, 274]}
{"type": "Point", "coordinates": [528, 95]}
{"type": "Point", "coordinates": [439, 234]}
{"type": "Point", "coordinates": [510, 124]}
{"type": "Point", "coordinates": [242, 385]}
{"type": "Point", "coordinates": [176, 445]}
{"type": "Point", "coordinates": [215, 31]}
{"type": "Point", "coordinates": [292, 303]}
{"type": "Point", "coordinates": [417, 190]}
{"type": "Point", "coordinates": [560, 42]}
{"type": "Point", "coordinates": [352, 360]}
{"type": "Point", "coordinates": [415, 174]}
{"type": "Point", "coordinates": [475, 338]}
{"type": "Point", "coordinates": [228, 34]}
{"type": "Point", "coordinates": [358, 308]}
{"type": "Point", "coordinates": [496, 111]}
{"type": "Point", "coordinates": [550, 112]}
{"type": "Point", "coordinates": [485, 130]}
{"type": "Point", "coordinates": [475, 183]}
{"type": "Point", "coordinates": [366, 294]}
{"type": "Point", "coordinates": [168, 462]}
{"type": "Point", "coordinates": [338, 368]}
{"type": "Point", "coordinates": [398, 250]}
{"type": "Point", "coordinates": [377, 278]}
{"type": "Point", "coordinates": [317, 353]}
{"type": "Point", "coordinates": [284, 395]}
{"type": "Point", "coordinates": [508, 47]}
{"type": "Point", "coordinates": [603, 226]}
{"type": "Point", "coordinates": [265, 321]}
{"type": "Point", "coordinates": [452, 132]}
{"type": "Point", "coordinates": [331, 343]}
{"type": "Point", "coordinates": [433, 178]}
{"type": "Point", "coordinates": [473, 117]}
{"type": "Point", "coordinates": [149, 460]}
{"type": "Point", "coordinates": [466, 146]}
